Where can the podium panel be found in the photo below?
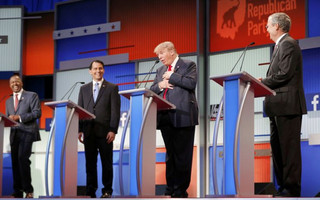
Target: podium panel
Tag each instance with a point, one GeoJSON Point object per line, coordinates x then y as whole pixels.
{"type": "Point", "coordinates": [240, 89]}
{"type": "Point", "coordinates": [4, 122]}
{"type": "Point", "coordinates": [67, 115]}
{"type": "Point", "coordinates": [144, 107]}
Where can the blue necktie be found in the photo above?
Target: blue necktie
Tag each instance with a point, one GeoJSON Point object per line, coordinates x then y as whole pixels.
{"type": "Point", "coordinates": [95, 91]}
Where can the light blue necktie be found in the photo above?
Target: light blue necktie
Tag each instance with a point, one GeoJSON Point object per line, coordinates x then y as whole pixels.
{"type": "Point", "coordinates": [95, 91]}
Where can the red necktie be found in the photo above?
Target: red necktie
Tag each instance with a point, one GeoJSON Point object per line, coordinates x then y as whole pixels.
{"type": "Point", "coordinates": [166, 90]}
{"type": "Point", "coordinates": [16, 102]}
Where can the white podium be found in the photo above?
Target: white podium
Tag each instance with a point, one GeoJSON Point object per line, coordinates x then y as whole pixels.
{"type": "Point", "coordinates": [67, 116]}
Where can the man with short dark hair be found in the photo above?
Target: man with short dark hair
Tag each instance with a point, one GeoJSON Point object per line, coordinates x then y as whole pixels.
{"type": "Point", "coordinates": [101, 98]}
{"type": "Point", "coordinates": [24, 108]}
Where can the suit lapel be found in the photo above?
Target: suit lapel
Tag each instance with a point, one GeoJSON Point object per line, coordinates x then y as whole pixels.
{"type": "Point", "coordinates": [176, 68]}
{"type": "Point", "coordinates": [178, 65]}
{"type": "Point", "coordinates": [89, 90]}
{"type": "Point", "coordinates": [276, 51]}
{"type": "Point", "coordinates": [11, 103]}
{"type": "Point", "coordinates": [163, 70]}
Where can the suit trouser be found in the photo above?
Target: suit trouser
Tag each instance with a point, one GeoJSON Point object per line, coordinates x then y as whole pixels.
{"type": "Point", "coordinates": [286, 151]}
{"type": "Point", "coordinates": [92, 145]}
{"type": "Point", "coordinates": [179, 146]}
{"type": "Point", "coordinates": [20, 154]}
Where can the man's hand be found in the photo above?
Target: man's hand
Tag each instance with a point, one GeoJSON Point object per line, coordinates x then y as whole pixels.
{"type": "Point", "coordinates": [15, 117]}
{"type": "Point", "coordinates": [167, 75]}
{"type": "Point", "coordinates": [165, 84]}
{"type": "Point", "coordinates": [110, 137]}
{"type": "Point", "coordinates": [80, 137]}
{"type": "Point", "coordinates": [259, 79]}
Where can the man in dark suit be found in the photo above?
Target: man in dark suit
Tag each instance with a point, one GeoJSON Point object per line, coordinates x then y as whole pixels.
{"type": "Point", "coordinates": [102, 99]}
{"type": "Point", "coordinates": [24, 108]}
{"type": "Point", "coordinates": [286, 108]}
{"type": "Point", "coordinates": [176, 81]}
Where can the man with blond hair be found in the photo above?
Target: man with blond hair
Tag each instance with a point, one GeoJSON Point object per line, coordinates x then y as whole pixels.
{"type": "Point", "coordinates": [176, 81]}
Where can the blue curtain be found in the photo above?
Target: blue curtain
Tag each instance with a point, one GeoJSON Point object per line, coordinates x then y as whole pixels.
{"type": "Point", "coordinates": [33, 5]}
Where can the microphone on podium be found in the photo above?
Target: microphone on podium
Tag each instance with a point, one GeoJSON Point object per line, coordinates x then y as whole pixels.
{"type": "Point", "coordinates": [71, 89]}
{"type": "Point", "coordinates": [148, 74]}
{"type": "Point", "coordinates": [243, 53]}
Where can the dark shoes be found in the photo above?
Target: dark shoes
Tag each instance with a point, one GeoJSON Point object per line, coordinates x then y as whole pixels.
{"type": "Point", "coordinates": [17, 194]}
{"type": "Point", "coordinates": [284, 193]}
{"type": "Point", "coordinates": [20, 195]}
{"type": "Point", "coordinates": [91, 194]}
{"type": "Point", "coordinates": [183, 194]}
{"type": "Point", "coordinates": [175, 193]}
{"type": "Point", "coordinates": [29, 195]}
{"type": "Point", "coordinates": [168, 192]}
{"type": "Point", "coordinates": [106, 195]}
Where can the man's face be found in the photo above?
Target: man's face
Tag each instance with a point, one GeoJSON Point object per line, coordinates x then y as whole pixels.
{"type": "Point", "coordinates": [166, 57]}
{"type": "Point", "coordinates": [96, 71]}
{"type": "Point", "coordinates": [272, 30]}
{"type": "Point", "coordinates": [15, 84]}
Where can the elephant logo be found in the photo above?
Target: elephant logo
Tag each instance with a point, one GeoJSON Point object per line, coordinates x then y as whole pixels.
{"type": "Point", "coordinates": [230, 16]}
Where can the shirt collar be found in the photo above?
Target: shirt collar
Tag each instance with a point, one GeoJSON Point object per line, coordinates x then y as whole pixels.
{"type": "Point", "coordinates": [278, 40]}
{"type": "Point", "coordinates": [100, 82]}
{"type": "Point", "coordinates": [19, 93]}
{"type": "Point", "coordinates": [173, 64]}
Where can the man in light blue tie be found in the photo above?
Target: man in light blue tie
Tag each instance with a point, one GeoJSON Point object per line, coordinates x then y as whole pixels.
{"type": "Point", "coordinates": [102, 99]}
{"type": "Point", "coordinates": [95, 91]}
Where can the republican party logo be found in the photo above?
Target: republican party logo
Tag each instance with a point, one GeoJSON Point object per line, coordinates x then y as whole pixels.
{"type": "Point", "coordinates": [230, 16]}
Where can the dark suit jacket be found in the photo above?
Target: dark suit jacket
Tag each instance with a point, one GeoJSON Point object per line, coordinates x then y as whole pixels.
{"type": "Point", "coordinates": [284, 76]}
{"type": "Point", "coordinates": [29, 110]}
{"type": "Point", "coordinates": [106, 109]}
{"type": "Point", "coordinates": [184, 81]}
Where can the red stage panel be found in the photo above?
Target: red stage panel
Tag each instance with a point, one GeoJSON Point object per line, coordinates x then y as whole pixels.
{"type": "Point", "coordinates": [38, 45]}
{"type": "Point", "coordinates": [46, 112]}
{"type": "Point", "coordinates": [5, 90]}
{"type": "Point", "coordinates": [145, 24]}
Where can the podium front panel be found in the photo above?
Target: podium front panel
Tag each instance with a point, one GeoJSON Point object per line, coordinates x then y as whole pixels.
{"type": "Point", "coordinates": [136, 120]}
{"type": "Point", "coordinates": [61, 122]}
{"type": "Point", "coordinates": [231, 106]}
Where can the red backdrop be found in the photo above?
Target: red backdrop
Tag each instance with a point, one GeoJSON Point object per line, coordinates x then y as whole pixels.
{"type": "Point", "coordinates": [145, 24]}
{"type": "Point", "coordinates": [38, 51]}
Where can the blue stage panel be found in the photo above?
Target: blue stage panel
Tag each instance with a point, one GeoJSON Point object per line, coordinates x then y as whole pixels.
{"type": "Point", "coordinates": [79, 14]}
{"type": "Point", "coordinates": [311, 70]}
{"type": "Point", "coordinates": [114, 74]}
{"type": "Point", "coordinates": [313, 18]}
